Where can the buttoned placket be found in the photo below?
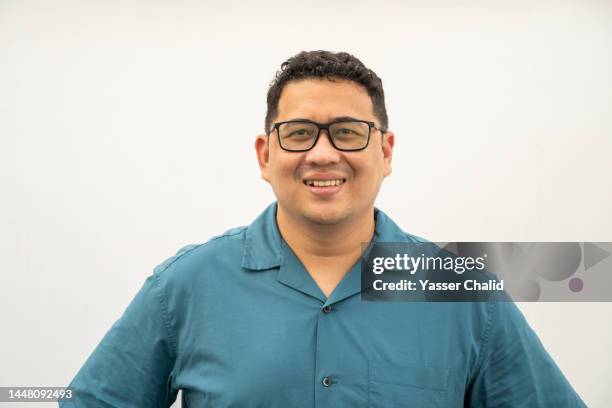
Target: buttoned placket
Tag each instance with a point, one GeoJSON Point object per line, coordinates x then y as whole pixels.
{"type": "Point", "coordinates": [293, 274]}
{"type": "Point", "coordinates": [268, 250]}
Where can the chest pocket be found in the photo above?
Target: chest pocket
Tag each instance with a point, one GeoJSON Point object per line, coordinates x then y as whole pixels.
{"type": "Point", "coordinates": [393, 385]}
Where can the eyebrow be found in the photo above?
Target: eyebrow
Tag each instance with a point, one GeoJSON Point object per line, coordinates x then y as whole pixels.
{"type": "Point", "coordinates": [334, 119]}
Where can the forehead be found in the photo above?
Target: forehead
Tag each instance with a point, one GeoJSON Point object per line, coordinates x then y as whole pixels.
{"type": "Point", "coordinates": [322, 100]}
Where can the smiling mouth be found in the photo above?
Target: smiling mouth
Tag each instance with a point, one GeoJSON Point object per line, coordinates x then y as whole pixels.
{"type": "Point", "coordinates": [324, 183]}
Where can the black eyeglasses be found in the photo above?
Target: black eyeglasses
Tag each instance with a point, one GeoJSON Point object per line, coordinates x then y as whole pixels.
{"type": "Point", "coordinates": [302, 135]}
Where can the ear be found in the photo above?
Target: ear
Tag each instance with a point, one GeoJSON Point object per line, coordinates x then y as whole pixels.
{"type": "Point", "coordinates": [262, 149]}
{"type": "Point", "coordinates": [388, 141]}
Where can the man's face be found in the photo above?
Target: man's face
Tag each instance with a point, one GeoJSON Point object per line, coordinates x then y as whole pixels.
{"type": "Point", "coordinates": [291, 174]}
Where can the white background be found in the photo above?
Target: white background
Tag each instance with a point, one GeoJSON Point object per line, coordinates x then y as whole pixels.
{"type": "Point", "coordinates": [127, 129]}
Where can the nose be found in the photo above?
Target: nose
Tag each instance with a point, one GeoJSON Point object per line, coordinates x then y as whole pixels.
{"type": "Point", "coordinates": [323, 152]}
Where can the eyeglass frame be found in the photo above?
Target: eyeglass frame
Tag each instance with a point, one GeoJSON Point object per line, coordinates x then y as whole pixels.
{"type": "Point", "coordinates": [325, 126]}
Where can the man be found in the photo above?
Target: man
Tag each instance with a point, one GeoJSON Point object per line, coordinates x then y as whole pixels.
{"type": "Point", "coordinates": [270, 315]}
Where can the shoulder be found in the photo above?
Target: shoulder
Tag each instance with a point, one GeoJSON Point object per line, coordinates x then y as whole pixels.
{"type": "Point", "coordinates": [388, 231]}
{"type": "Point", "coordinates": [193, 259]}
{"type": "Point", "coordinates": [407, 237]}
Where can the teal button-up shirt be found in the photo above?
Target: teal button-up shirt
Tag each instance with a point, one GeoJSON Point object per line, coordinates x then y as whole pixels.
{"type": "Point", "coordinates": [239, 322]}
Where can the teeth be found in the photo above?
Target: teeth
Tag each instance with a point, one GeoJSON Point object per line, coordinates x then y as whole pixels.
{"type": "Point", "coordinates": [324, 183]}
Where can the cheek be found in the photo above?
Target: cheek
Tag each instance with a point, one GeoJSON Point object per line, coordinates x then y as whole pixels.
{"type": "Point", "coordinates": [368, 172]}
{"type": "Point", "coordinates": [283, 171]}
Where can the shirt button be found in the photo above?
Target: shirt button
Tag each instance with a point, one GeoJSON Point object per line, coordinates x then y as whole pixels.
{"type": "Point", "coordinates": [326, 381]}
{"type": "Point", "coordinates": [327, 309]}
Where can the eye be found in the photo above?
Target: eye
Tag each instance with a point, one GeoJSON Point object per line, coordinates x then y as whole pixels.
{"type": "Point", "coordinates": [346, 131]}
{"type": "Point", "coordinates": [299, 132]}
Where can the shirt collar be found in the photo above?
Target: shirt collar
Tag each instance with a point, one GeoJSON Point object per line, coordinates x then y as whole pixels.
{"type": "Point", "coordinates": [263, 243]}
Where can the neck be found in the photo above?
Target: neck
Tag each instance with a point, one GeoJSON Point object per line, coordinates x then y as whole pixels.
{"type": "Point", "coordinates": [324, 240]}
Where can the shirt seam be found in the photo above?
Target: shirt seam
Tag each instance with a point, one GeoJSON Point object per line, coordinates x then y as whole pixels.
{"type": "Point", "coordinates": [161, 298]}
{"type": "Point", "coordinates": [239, 231]}
{"type": "Point", "coordinates": [196, 246]}
{"type": "Point", "coordinates": [484, 346]}
{"type": "Point", "coordinates": [165, 316]}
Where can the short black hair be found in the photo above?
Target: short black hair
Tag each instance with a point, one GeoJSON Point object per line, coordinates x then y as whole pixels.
{"type": "Point", "coordinates": [327, 65]}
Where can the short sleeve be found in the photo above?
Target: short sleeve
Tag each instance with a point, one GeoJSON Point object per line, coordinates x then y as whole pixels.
{"type": "Point", "coordinates": [514, 369]}
{"type": "Point", "coordinates": [132, 365]}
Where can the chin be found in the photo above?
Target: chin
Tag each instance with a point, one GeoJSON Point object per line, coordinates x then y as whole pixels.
{"type": "Point", "coordinates": [326, 216]}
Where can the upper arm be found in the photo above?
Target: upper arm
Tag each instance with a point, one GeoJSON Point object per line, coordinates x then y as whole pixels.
{"type": "Point", "coordinates": [514, 369]}
{"type": "Point", "coordinates": [132, 365]}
